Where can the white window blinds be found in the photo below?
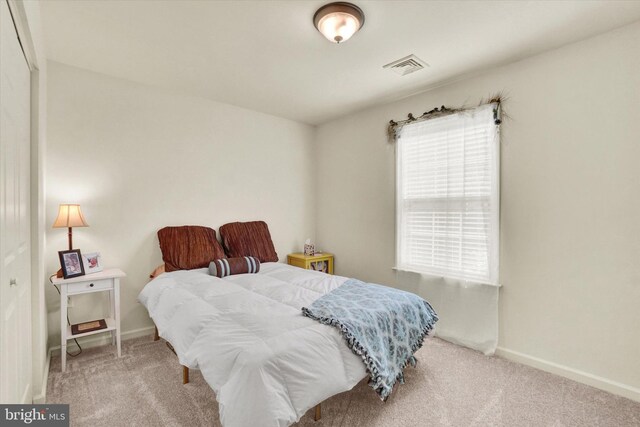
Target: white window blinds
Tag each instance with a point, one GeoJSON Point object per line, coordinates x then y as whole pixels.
{"type": "Point", "coordinates": [448, 196]}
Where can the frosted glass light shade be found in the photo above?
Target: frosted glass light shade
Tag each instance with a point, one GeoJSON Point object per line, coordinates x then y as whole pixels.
{"type": "Point", "coordinates": [69, 216]}
{"type": "Point", "coordinates": [338, 21]}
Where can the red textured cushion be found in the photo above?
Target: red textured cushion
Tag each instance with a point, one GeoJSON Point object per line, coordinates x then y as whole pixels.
{"type": "Point", "coordinates": [248, 239]}
{"type": "Point", "coordinates": [188, 247]}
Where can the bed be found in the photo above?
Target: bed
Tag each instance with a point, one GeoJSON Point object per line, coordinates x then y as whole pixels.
{"type": "Point", "coordinates": [262, 340]}
{"type": "Point", "coordinates": [267, 364]}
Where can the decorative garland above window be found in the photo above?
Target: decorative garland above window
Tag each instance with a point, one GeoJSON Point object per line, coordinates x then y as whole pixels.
{"type": "Point", "coordinates": [393, 130]}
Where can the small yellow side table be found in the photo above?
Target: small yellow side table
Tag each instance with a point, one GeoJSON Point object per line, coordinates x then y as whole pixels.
{"type": "Point", "coordinates": [319, 262]}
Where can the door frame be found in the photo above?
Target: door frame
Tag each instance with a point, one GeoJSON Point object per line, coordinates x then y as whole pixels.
{"type": "Point", "coordinates": [21, 22]}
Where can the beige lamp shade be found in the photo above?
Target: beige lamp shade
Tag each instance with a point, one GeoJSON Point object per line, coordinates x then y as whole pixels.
{"type": "Point", "coordinates": [69, 216]}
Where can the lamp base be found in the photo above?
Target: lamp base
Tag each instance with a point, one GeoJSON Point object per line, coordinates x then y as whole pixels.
{"type": "Point", "coordinates": [59, 274]}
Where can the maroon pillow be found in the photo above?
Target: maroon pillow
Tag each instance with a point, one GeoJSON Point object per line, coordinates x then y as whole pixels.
{"type": "Point", "coordinates": [188, 247]}
{"type": "Point", "coordinates": [248, 239]}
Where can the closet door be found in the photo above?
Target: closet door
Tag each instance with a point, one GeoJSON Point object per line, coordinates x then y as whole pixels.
{"type": "Point", "coordinates": [15, 252]}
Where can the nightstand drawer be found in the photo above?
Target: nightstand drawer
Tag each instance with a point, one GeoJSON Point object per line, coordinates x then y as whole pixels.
{"type": "Point", "coordinates": [89, 286]}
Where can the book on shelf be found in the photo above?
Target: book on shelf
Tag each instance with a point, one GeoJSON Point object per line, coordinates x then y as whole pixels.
{"type": "Point", "coordinates": [90, 326]}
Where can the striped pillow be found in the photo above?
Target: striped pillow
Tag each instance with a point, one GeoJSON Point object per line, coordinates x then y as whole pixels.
{"type": "Point", "coordinates": [228, 266]}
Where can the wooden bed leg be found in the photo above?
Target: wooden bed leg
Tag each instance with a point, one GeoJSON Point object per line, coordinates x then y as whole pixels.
{"type": "Point", "coordinates": [318, 413]}
{"type": "Point", "coordinates": [156, 337]}
{"type": "Point", "coordinates": [185, 375]}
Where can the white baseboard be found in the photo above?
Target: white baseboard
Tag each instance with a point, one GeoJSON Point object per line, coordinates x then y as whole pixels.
{"type": "Point", "coordinates": [41, 397]}
{"type": "Point", "coordinates": [103, 339]}
{"type": "Point", "coordinates": [605, 384]}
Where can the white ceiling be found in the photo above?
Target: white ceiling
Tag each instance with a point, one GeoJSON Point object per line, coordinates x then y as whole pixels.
{"type": "Point", "coordinates": [267, 56]}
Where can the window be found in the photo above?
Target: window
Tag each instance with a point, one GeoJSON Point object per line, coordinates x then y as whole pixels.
{"type": "Point", "coordinates": [448, 196]}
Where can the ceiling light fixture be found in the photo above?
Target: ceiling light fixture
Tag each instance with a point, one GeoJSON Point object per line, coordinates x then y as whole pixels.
{"type": "Point", "coordinates": [338, 21]}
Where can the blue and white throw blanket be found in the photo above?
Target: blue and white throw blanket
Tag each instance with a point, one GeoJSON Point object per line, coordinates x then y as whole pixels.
{"type": "Point", "coordinates": [384, 326]}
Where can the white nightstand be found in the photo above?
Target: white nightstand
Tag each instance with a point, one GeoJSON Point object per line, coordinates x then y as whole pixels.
{"type": "Point", "coordinates": [107, 280]}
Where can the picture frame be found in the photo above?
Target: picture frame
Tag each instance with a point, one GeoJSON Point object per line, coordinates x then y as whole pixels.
{"type": "Point", "coordinates": [92, 262]}
{"type": "Point", "coordinates": [71, 263]}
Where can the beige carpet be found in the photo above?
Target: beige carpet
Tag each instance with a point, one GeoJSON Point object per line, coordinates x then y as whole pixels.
{"type": "Point", "coordinates": [451, 386]}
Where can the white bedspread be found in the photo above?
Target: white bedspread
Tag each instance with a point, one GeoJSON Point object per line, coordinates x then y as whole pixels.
{"type": "Point", "coordinates": [266, 363]}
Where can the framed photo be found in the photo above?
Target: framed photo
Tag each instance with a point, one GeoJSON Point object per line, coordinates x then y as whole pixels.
{"type": "Point", "coordinates": [92, 262]}
{"type": "Point", "coordinates": [71, 263]}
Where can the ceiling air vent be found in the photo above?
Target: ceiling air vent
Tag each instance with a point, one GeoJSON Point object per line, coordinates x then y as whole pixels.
{"type": "Point", "coordinates": [406, 65]}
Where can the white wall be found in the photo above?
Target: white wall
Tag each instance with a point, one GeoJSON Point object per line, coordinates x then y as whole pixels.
{"type": "Point", "coordinates": [570, 230]}
{"type": "Point", "coordinates": [138, 158]}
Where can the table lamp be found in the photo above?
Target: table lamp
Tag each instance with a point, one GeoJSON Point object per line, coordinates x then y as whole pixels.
{"type": "Point", "coordinates": [69, 216]}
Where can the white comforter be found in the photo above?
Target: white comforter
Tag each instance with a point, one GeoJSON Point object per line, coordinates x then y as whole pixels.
{"type": "Point", "coordinates": [266, 363]}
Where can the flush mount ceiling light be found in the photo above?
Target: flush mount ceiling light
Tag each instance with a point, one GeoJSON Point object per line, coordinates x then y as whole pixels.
{"type": "Point", "coordinates": [338, 21]}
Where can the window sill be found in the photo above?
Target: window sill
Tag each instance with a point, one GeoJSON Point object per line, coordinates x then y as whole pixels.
{"type": "Point", "coordinates": [471, 282]}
